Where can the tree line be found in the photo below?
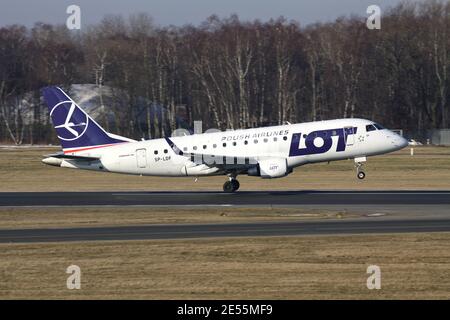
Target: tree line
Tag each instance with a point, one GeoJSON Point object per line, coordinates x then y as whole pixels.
{"type": "Point", "coordinates": [235, 74]}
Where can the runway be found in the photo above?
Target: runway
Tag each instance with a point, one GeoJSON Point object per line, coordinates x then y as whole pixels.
{"type": "Point", "coordinates": [161, 232]}
{"type": "Point", "coordinates": [243, 198]}
{"type": "Point", "coordinates": [416, 211]}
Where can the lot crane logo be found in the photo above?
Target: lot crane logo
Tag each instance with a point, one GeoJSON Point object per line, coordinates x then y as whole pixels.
{"type": "Point", "coordinates": [70, 121]}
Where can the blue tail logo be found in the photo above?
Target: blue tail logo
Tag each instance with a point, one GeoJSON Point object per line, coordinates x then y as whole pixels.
{"type": "Point", "coordinates": [74, 127]}
{"type": "Point", "coordinates": [74, 122]}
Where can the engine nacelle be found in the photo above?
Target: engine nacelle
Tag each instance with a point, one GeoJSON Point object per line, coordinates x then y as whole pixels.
{"type": "Point", "coordinates": [270, 168]}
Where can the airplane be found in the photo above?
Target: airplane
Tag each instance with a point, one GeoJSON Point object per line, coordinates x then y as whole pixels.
{"type": "Point", "coordinates": [266, 152]}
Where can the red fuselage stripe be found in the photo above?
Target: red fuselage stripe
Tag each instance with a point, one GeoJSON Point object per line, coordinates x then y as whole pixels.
{"type": "Point", "coordinates": [90, 148]}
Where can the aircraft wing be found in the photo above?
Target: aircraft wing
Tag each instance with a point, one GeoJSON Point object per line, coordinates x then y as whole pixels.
{"type": "Point", "coordinates": [225, 163]}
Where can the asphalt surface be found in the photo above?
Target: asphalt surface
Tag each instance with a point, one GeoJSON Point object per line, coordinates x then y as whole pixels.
{"type": "Point", "coordinates": [420, 211]}
{"type": "Point", "coordinates": [297, 198]}
{"type": "Point", "coordinates": [265, 229]}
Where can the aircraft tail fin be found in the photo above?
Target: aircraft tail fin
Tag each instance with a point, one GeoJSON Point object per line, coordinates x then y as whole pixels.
{"type": "Point", "coordinates": [76, 130]}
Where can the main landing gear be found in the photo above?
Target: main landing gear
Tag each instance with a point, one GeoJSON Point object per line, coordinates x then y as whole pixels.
{"type": "Point", "coordinates": [358, 164]}
{"type": "Point", "coordinates": [231, 185]}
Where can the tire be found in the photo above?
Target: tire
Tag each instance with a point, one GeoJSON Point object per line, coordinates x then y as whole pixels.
{"type": "Point", "coordinates": [228, 187]}
{"type": "Point", "coordinates": [361, 175]}
{"type": "Point", "coordinates": [235, 184]}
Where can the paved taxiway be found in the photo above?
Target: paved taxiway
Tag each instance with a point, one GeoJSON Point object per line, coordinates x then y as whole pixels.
{"type": "Point", "coordinates": [410, 211]}
{"type": "Point", "coordinates": [186, 231]}
{"type": "Point", "coordinates": [254, 198]}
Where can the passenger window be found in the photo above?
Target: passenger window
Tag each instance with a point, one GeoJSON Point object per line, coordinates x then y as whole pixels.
{"type": "Point", "coordinates": [224, 144]}
{"type": "Point", "coordinates": [265, 140]}
{"type": "Point", "coordinates": [370, 127]}
{"type": "Point", "coordinates": [156, 152]}
{"type": "Point", "coordinates": [214, 145]}
{"type": "Point", "coordinates": [284, 138]}
{"type": "Point", "coordinates": [275, 139]}
{"type": "Point", "coordinates": [245, 142]}
{"type": "Point", "coordinates": [165, 150]}
{"type": "Point", "coordinates": [255, 141]}
{"type": "Point", "coordinates": [195, 148]}
{"type": "Point", "coordinates": [234, 144]}
{"type": "Point", "coordinates": [185, 149]}
{"type": "Point", "coordinates": [204, 147]}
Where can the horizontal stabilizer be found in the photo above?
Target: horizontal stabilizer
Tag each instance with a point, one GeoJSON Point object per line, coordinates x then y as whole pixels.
{"type": "Point", "coordinates": [71, 157]}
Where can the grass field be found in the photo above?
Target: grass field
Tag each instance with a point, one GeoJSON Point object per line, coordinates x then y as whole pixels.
{"type": "Point", "coordinates": [309, 267]}
{"type": "Point", "coordinates": [59, 217]}
{"type": "Point", "coordinates": [22, 170]}
{"type": "Point", "coordinates": [412, 266]}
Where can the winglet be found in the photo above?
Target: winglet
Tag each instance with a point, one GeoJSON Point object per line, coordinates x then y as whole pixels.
{"type": "Point", "coordinates": [174, 147]}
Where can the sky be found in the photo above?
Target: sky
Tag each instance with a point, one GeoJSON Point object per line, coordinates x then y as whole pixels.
{"type": "Point", "coordinates": [180, 12]}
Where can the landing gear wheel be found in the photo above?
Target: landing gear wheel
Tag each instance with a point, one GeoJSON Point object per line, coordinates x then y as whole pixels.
{"type": "Point", "coordinates": [228, 187]}
{"type": "Point", "coordinates": [361, 175]}
{"type": "Point", "coordinates": [231, 186]}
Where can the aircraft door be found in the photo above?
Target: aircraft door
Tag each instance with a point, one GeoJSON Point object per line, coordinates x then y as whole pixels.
{"type": "Point", "coordinates": [349, 136]}
{"type": "Point", "coordinates": [141, 158]}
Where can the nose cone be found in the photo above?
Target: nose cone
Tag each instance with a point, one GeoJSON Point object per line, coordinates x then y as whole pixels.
{"type": "Point", "coordinates": [402, 142]}
{"type": "Point", "coordinates": [396, 141]}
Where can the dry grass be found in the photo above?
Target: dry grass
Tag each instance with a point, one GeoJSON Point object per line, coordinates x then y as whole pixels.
{"type": "Point", "coordinates": [22, 170]}
{"type": "Point", "coordinates": [331, 267]}
{"type": "Point", "coordinates": [413, 266]}
{"type": "Point", "coordinates": [20, 218]}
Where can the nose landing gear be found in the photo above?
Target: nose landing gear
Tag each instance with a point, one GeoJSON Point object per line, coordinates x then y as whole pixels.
{"type": "Point", "coordinates": [231, 185]}
{"type": "Point", "coordinates": [358, 164]}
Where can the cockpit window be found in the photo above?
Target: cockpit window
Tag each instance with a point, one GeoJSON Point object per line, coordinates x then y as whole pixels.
{"type": "Point", "coordinates": [379, 127]}
{"type": "Point", "coordinates": [370, 127]}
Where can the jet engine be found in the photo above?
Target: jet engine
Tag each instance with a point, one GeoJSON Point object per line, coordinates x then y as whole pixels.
{"type": "Point", "coordinates": [270, 168]}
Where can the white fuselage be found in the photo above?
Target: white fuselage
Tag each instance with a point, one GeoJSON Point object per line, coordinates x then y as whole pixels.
{"type": "Point", "coordinates": [328, 141]}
